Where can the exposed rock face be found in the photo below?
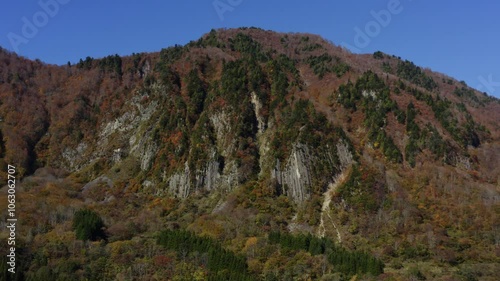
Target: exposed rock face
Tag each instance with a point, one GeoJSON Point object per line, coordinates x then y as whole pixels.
{"type": "Point", "coordinates": [372, 94]}
{"type": "Point", "coordinates": [144, 149]}
{"type": "Point", "coordinates": [258, 106]}
{"type": "Point", "coordinates": [117, 155]}
{"type": "Point", "coordinates": [102, 180]}
{"type": "Point", "coordinates": [295, 178]}
{"type": "Point", "coordinates": [132, 119]}
{"type": "Point", "coordinates": [179, 184]}
{"type": "Point", "coordinates": [325, 207]}
{"type": "Point", "coordinates": [230, 178]}
{"type": "Point", "coordinates": [210, 177]}
{"type": "Point", "coordinates": [119, 137]}
{"type": "Point", "coordinates": [71, 156]}
{"type": "Point", "coordinates": [345, 156]}
{"type": "Point", "coordinates": [345, 159]}
{"type": "Point", "coordinates": [222, 127]}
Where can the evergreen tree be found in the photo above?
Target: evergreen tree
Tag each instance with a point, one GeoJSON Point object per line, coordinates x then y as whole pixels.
{"type": "Point", "coordinates": [88, 225]}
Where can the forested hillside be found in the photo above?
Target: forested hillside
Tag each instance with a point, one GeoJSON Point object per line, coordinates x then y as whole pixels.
{"type": "Point", "coordinates": [249, 155]}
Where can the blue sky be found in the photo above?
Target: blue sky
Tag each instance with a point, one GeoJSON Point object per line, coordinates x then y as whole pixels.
{"type": "Point", "coordinates": [459, 38]}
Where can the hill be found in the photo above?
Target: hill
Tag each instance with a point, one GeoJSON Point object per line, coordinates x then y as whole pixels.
{"type": "Point", "coordinates": [265, 156]}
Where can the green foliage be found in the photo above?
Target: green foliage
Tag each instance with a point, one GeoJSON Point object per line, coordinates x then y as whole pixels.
{"type": "Point", "coordinates": [442, 111]}
{"type": "Point", "coordinates": [95, 270]}
{"type": "Point", "coordinates": [136, 60]}
{"type": "Point", "coordinates": [468, 94]}
{"type": "Point", "coordinates": [171, 54]}
{"type": "Point", "coordinates": [371, 82]}
{"type": "Point", "coordinates": [111, 64]}
{"type": "Point", "coordinates": [246, 75]}
{"type": "Point", "coordinates": [88, 225]}
{"type": "Point", "coordinates": [288, 65]}
{"type": "Point", "coordinates": [325, 63]}
{"type": "Point", "coordinates": [376, 104]}
{"type": "Point", "coordinates": [470, 132]}
{"type": "Point", "coordinates": [409, 71]}
{"type": "Point", "coordinates": [170, 79]}
{"type": "Point", "coordinates": [303, 123]}
{"type": "Point", "coordinates": [386, 67]}
{"type": "Point", "coordinates": [247, 47]}
{"type": "Point", "coordinates": [311, 47]}
{"type": "Point", "coordinates": [257, 81]}
{"type": "Point", "coordinates": [246, 130]}
{"type": "Point", "coordinates": [410, 152]}
{"type": "Point", "coordinates": [85, 64]}
{"type": "Point", "coordinates": [279, 84]}
{"type": "Point", "coordinates": [421, 96]}
{"type": "Point", "coordinates": [210, 40]}
{"type": "Point", "coordinates": [378, 55]}
{"type": "Point", "coordinates": [413, 131]}
{"type": "Point", "coordinates": [44, 273]}
{"type": "Point", "coordinates": [196, 93]}
{"type": "Point", "coordinates": [465, 134]}
{"type": "Point", "coordinates": [343, 260]}
{"type": "Point", "coordinates": [201, 139]}
{"type": "Point", "coordinates": [434, 142]}
{"type": "Point", "coordinates": [221, 263]}
{"type": "Point", "coordinates": [362, 191]}
{"type": "Point", "coordinates": [234, 80]}
{"type": "Point", "coordinates": [389, 148]}
{"type": "Point", "coordinates": [67, 268]}
{"type": "Point", "coordinates": [400, 115]}
{"type": "Point", "coordinates": [348, 95]}
{"type": "Point", "coordinates": [164, 67]}
{"type": "Point", "coordinates": [22, 265]}
{"type": "Point", "coordinates": [415, 273]}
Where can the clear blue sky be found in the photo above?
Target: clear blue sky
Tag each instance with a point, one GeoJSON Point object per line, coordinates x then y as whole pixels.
{"type": "Point", "coordinates": [459, 38]}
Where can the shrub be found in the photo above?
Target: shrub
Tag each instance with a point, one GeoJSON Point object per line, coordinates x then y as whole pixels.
{"type": "Point", "coordinates": [325, 63]}
{"type": "Point", "coordinates": [88, 225]}
{"type": "Point", "coordinates": [378, 55]}
{"type": "Point", "coordinates": [344, 260]}
{"type": "Point", "coordinates": [409, 71]}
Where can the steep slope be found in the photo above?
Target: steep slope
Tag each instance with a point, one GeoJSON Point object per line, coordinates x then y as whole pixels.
{"type": "Point", "coordinates": [246, 132]}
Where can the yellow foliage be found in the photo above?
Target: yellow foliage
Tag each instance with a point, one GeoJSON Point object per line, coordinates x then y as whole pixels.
{"type": "Point", "coordinates": [252, 241]}
{"type": "Point", "coordinates": [254, 265]}
{"type": "Point", "coordinates": [199, 275]}
{"type": "Point", "coordinates": [156, 202]}
{"type": "Point", "coordinates": [119, 247]}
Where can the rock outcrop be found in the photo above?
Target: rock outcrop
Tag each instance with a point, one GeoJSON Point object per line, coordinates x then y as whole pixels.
{"type": "Point", "coordinates": [295, 177]}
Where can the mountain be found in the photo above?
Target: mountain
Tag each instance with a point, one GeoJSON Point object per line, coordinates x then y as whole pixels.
{"type": "Point", "coordinates": [249, 155]}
